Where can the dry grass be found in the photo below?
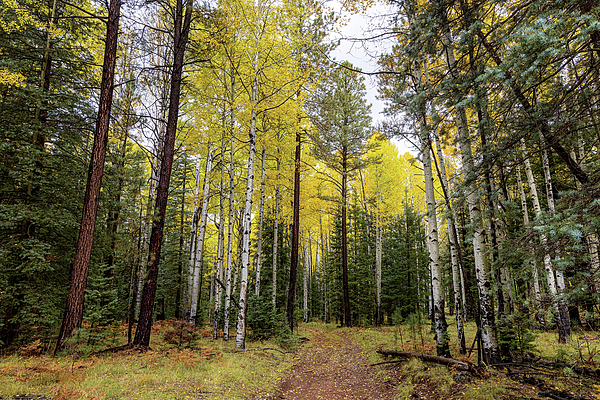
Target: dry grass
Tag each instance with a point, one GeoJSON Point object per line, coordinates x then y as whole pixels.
{"type": "Point", "coordinates": [429, 381]}
{"type": "Point", "coordinates": [165, 372]}
{"type": "Point", "coordinates": [172, 371]}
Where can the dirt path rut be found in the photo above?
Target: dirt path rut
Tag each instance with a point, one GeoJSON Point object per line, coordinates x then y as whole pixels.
{"type": "Point", "coordinates": [331, 366]}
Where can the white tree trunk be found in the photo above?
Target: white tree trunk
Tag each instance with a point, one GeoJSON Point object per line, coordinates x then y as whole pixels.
{"type": "Point", "coordinates": [547, 258]}
{"type": "Point", "coordinates": [453, 240]}
{"type": "Point", "coordinates": [201, 235]}
{"type": "Point", "coordinates": [437, 301]}
{"type": "Point", "coordinates": [240, 339]}
{"type": "Point", "coordinates": [488, 327]}
{"type": "Point", "coordinates": [433, 241]}
{"type": "Point", "coordinates": [275, 237]}
{"type": "Point", "coordinates": [537, 294]}
{"type": "Point", "coordinates": [230, 237]}
{"type": "Point", "coordinates": [193, 237]}
{"type": "Point", "coordinates": [220, 245]}
{"type": "Point", "coordinates": [563, 310]}
{"type": "Point", "coordinates": [261, 214]}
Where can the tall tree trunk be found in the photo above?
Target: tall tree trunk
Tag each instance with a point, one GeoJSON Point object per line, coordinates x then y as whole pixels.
{"type": "Point", "coordinates": [378, 257]}
{"type": "Point", "coordinates": [487, 322]}
{"type": "Point", "coordinates": [218, 273]}
{"type": "Point", "coordinates": [306, 268]}
{"type": "Point", "coordinates": [230, 240]}
{"type": "Point", "coordinates": [230, 237]}
{"type": "Point", "coordinates": [193, 241]}
{"type": "Point", "coordinates": [455, 257]}
{"type": "Point", "coordinates": [455, 260]}
{"type": "Point", "coordinates": [434, 266]}
{"type": "Point", "coordinates": [74, 308]}
{"type": "Point", "coordinates": [200, 240]}
{"type": "Point", "coordinates": [563, 309]}
{"type": "Point", "coordinates": [346, 290]}
{"type": "Point", "coordinates": [537, 294]}
{"type": "Point", "coordinates": [483, 119]}
{"type": "Point", "coordinates": [439, 317]}
{"type": "Point", "coordinates": [240, 339]}
{"type": "Point", "coordinates": [261, 214]}
{"type": "Point", "coordinates": [562, 324]}
{"type": "Point", "coordinates": [276, 237]}
{"type": "Point", "coordinates": [180, 257]}
{"type": "Point", "coordinates": [295, 234]}
{"type": "Point", "coordinates": [181, 28]}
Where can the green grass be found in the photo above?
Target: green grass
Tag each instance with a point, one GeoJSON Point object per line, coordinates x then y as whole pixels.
{"type": "Point", "coordinates": [165, 372]}
{"type": "Point", "coordinates": [208, 372]}
{"type": "Point", "coordinates": [582, 348]}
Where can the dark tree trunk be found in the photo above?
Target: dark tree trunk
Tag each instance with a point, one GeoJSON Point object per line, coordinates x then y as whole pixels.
{"type": "Point", "coordinates": [142, 333]}
{"type": "Point", "coordinates": [74, 309]}
{"type": "Point", "coordinates": [295, 235]}
{"type": "Point", "coordinates": [347, 316]}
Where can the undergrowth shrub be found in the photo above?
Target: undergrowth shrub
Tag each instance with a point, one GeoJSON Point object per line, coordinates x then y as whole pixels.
{"type": "Point", "coordinates": [264, 323]}
{"type": "Point", "coordinates": [180, 333]}
{"type": "Point", "coordinates": [515, 339]}
{"type": "Point", "coordinates": [91, 339]}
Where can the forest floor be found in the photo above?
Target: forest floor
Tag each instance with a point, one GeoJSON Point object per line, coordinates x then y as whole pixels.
{"type": "Point", "coordinates": [343, 364]}
{"type": "Point", "coordinates": [331, 363]}
{"type": "Point", "coordinates": [332, 366]}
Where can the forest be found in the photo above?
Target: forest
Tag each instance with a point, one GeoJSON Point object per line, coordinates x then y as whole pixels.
{"type": "Point", "coordinates": [213, 163]}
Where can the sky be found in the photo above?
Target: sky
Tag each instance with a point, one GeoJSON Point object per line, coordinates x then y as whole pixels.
{"type": "Point", "coordinates": [365, 54]}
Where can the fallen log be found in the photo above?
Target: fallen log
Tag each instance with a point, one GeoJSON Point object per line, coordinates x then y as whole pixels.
{"type": "Point", "coordinates": [459, 365]}
{"type": "Point", "coordinates": [560, 365]}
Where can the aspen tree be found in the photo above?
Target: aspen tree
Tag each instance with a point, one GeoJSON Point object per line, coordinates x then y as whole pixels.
{"type": "Point", "coordinates": [276, 236]}
{"type": "Point", "coordinates": [199, 248]}
{"type": "Point", "coordinates": [260, 225]}
{"type": "Point", "coordinates": [488, 326]}
{"type": "Point", "coordinates": [563, 322]}
{"type": "Point", "coordinates": [437, 301]}
{"type": "Point", "coordinates": [193, 240]}
{"type": "Point", "coordinates": [537, 294]}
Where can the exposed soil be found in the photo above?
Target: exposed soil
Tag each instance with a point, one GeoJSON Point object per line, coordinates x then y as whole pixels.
{"type": "Point", "coordinates": [331, 366]}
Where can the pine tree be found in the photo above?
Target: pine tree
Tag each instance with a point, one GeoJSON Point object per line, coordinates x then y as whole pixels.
{"type": "Point", "coordinates": [342, 122]}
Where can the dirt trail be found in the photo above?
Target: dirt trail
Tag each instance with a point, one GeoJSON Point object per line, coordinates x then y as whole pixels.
{"type": "Point", "coordinates": [330, 366]}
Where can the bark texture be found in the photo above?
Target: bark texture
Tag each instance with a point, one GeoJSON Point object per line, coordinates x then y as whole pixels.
{"type": "Point", "coordinates": [181, 28]}
{"type": "Point", "coordinates": [74, 309]}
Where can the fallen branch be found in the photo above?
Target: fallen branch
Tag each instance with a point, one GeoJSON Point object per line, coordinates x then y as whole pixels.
{"type": "Point", "coordinates": [459, 365]}
{"type": "Point", "coordinates": [558, 395]}
{"type": "Point", "coordinates": [388, 362]}
{"type": "Point", "coordinates": [558, 364]}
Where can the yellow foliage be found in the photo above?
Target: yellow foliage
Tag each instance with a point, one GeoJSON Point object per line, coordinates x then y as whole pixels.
{"type": "Point", "coordinates": [14, 16]}
{"type": "Point", "coordinates": [8, 78]}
